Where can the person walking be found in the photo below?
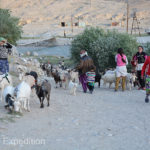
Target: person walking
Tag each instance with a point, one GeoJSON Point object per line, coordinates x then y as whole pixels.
{"type": "Point", "coordinates": [140, 58]}
{"type": "Point", "coordinates": [85, 64]}
{"type": "Point", "coordinates": [121, 70]}
{"type": "Point", "coordinates": [4, 51]}
{"type": "Point", "coordinates": [91, 79]}
{"type": "Point", "coordinates": [146, 68]}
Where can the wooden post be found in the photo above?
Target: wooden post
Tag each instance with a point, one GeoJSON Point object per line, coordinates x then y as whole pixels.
{"type": "Point", "coordinates": [72, 23]}
{"type": "Point", "coordinates": [134, 27]}
{"type": "Point", "coordinates": [90, 3]}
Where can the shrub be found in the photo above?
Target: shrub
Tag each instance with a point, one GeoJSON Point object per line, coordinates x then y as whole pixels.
{"type": "Point", "coordinates": [147, 48]}
{"type": "Point", "coordinates": [102, 46]}
{"type": "Point", "coordinates": [9, 27]}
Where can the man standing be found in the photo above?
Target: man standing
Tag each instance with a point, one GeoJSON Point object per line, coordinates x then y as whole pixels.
{"type": "Point", "coordinates": [4, 50]}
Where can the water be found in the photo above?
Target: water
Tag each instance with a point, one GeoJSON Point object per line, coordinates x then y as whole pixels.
{"type": "Point", "coordinates": [49, 51]}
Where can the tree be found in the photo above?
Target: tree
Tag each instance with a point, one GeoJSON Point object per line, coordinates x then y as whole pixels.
{"type": "Point", "coordinates": [102, 46]}
{"type": "Point", "coordinates": [9, 27]}
{"type": "Point", "coordinates": [147, 47]}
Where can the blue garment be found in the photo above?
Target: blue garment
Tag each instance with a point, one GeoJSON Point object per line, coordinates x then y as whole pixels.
{"type": "Point", "coordinates": [4, 66]}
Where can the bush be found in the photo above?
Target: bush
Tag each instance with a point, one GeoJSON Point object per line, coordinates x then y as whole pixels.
{"type": "Point", "coordinates": [102, 46]}
{"type": "Point", "coordinates": [9, 27]}
{"type": "Point", "coordinates": [147, 48]}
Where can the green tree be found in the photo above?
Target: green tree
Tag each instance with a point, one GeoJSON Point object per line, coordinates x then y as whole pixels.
{"type": "Point", "coordinates": [147, 47]}
{"type": "Point", "coordinates": [9, 27]}
{"type": "Point", "coordinates": [102, 46]}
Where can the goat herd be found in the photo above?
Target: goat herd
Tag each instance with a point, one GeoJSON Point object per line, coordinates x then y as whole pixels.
{"type": "Point", "coordinates": [18, 98]}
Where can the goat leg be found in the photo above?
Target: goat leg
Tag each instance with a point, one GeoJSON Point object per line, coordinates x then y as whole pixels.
{"type": "Point", "coordinates": [28, 105]}
{"type": "Point", "coordinates": [42, 105]}
{"type": "Point", "coordinates": [6, 106]}
{"type": "Point", "coordinates": [99, 83]}
{"type": "Point", "coordinates": [56, 83]}
{"type": "Point", "coordinates": [48, 99]}
{"type": "Point", "coordinates": [40, 99]}
{"type": "Point", "coordinates": [60, 83]}
{"type": "Point", "coordinates": [74, 91]}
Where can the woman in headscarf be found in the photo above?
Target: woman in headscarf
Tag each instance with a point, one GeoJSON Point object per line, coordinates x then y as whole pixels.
{"type": "Point", "coordinates": [4, 50]}
{"type": "Point", "coordinates": [85, 65]}
{"type": "Point", "coordinates": [140, 58]}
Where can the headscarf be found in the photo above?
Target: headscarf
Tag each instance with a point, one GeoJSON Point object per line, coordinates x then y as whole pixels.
{"type": "Point", "coordinates": [83, 53]}
{"type": "Point", "coordinates": [2, 39]}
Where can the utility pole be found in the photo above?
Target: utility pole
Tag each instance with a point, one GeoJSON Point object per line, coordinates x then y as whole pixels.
{"type": "Point", "coordinates": [127, 28]}
{"type": "Point", "coordinates": [71, 19]}
{"type": "Point", "coordinates": [72, 23]}
{"type": "Point", "coordinates": [90, 3]}
{"type": "Point", "coordinates": [135, 24]}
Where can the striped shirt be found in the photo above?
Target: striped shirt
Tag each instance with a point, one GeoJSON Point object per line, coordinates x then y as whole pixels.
{"type": "Point", "coordinates": [90, 77]}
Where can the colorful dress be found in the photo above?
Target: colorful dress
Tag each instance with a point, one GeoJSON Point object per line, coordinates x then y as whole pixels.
{"type": "Point", "coordinates": [85, 63]}
{"type": "Point", "coordinates": [90, 78]}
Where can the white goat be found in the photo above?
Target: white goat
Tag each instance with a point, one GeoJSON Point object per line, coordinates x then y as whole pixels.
{"type": "Point", "coordinates": [74, 76]}
{"type": "Point", "coordinates": [65, 78]}
{"type": "Point", "coordinates": [73, 87]}
{"type": "Point", "coordinates": [5, 80]}
{"type": "Point", "coordinates": [130, 79]}
{"type": "Point", "coordinates": [109, 78]}
{"type": "Point", "coordinates": [23, 92]}
{"type": "Point", "coordinates": [8, 90]}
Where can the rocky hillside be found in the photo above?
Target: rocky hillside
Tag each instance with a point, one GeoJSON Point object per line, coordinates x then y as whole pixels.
{"type": "Point", "coordinates": [42, 16]}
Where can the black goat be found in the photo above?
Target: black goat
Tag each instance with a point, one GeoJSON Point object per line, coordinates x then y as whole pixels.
{"type": "Point", "coordinates": [57, 79]}
{"type": "Point", "coordinates": [34, 74]}
{"type": "Point", "coordinates": [98, 79]}
{"type": "Point", "coordinates": [43, 91]}
{"type": "Point", "coordinates": [9, 101]}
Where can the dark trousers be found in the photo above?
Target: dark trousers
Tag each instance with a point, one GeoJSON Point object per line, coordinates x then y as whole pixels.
{"type": "Point", "coordinates": [91, 88]}
{"type": "Point", "coordinates": [141, 81]}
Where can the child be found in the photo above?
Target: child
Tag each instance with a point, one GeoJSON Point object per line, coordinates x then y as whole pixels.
{"type": "Point", "coordinates": [91, 79]}
{"type": "Point", "coordinates": [121, 70]}
{"type": "Point", "coordinates": [146, 68]}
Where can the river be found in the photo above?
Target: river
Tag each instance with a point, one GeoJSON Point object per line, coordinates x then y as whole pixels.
{"type": "Point", "coordinates": [49, 51]}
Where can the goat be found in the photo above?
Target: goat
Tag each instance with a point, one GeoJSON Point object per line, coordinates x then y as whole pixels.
{"type": "Point", "coordinates": [98, 79]}
{"type": "Point", "coordinates": [65, 78]}
{"type": "Point", "coordinates": [130, 80]}
{"type": "Point", "coordinates": [109, 78]}
{"type": "Point", "coordinates": [73, 87]}
{"type": "Point", "coordinates": [23, 92]}
{"type": "Point", "coordinates": [8, 96]}
{"type": "Point", "coordinates": [74, 76]}
{"type": "Point", "coordinates": [34, 74]}
{"type": "Point", "coordinates": [5, 80]}
{"type": "Point", "coordinates": [57, 79]}
{"type": "Point", "coordinates": [43, 91]}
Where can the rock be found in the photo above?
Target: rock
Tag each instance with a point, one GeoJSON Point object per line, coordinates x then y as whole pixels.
{"type": "Point", "coordinates": [28, 53]}
{"type": "Point", "coordinates": [110, 135]}
{"type": "Point", "coordinates": [35, 54]}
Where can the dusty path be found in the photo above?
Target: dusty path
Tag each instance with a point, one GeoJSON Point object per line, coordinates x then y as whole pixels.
{"type": "Point", "coordinates": [103, 121]}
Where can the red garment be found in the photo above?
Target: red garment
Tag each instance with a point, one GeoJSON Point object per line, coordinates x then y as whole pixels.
{"type": "Point", "coordinates": [134, 61]}
{"type": "Point", "coordinates": [146, 67]}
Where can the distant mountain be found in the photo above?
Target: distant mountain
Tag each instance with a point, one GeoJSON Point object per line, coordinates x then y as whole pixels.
{"type": "Point", "coordinates": [40, 16]}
